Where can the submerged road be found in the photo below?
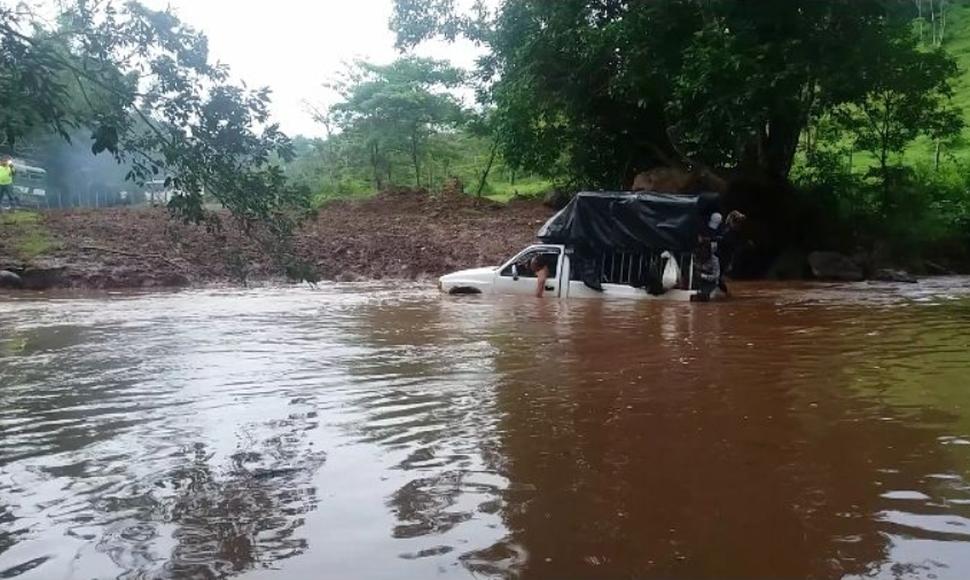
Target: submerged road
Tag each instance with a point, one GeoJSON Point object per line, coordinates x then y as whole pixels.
{"type": "Point", "coordinates": [381, 431]}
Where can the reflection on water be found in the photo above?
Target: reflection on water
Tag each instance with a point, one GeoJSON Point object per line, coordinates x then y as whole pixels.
{"type": "Point", "coordinates": [379, 432]}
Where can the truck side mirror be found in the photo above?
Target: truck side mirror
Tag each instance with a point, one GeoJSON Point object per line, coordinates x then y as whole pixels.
{"type": "Point", "coordinates": [515, 272]}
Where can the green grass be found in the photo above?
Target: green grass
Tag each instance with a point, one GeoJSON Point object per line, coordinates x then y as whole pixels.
{"type": "Point", "coordinates": [29, 237]}
{"type": "Point", "coordinates": [496, 190]}
{"type": "Point", "coordinates": [324, 197]}
{"type": "Point", "coordinates": [922, 152]}
{"type": "Point", "coordinates": [504, 191]}
{"type": "Point", "coordinates": [957, 43]}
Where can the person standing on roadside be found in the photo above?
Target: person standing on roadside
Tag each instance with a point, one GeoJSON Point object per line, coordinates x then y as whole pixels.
{"type": "Point", "coordinates": [6, 179]}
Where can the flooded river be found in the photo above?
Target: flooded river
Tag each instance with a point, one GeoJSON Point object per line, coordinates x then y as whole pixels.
{"type": "Point", "coordinates": [386, 432]}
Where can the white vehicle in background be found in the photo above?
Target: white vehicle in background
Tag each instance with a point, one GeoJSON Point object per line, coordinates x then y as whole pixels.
{"type": "Point", "coordinates": [159, 192]}
{"type": "Point", "coordinates": [649, 242]}
{"type": "Point", "coordinates": [29, 184]}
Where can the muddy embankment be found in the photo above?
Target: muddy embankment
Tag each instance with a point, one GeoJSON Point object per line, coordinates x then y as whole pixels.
{"type": "Point", "coordinates": [391, 236]}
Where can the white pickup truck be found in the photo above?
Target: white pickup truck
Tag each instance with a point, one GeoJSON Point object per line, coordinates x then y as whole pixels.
{"type": "Point", "coordinates": [645, 240]}
{"type": "Point", "coordinates": [619, 274]}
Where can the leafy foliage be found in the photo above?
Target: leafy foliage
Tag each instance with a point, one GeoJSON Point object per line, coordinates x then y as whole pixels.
{"type": "Point", "coordinates": [338, 167]}
{"type": "Point", "coordinates": [591, 92]}
{"type": "Point", "coordinates": [602, 90]}
{"type": "Point", "coordinates": [397, 108]}
{"type": "Point", "coordinates": [141, 81]}
{"type": "Point", "coordinates": [401, 125]}
{"type": "Point", "coordinates": [907, 96]}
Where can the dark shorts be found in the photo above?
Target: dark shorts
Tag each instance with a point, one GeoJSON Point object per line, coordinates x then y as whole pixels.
{"type": "Point", "coordinates": [707, 287]}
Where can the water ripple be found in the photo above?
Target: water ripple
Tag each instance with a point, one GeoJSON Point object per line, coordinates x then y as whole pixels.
{"type": "Point", "coordinates": [375, 431]}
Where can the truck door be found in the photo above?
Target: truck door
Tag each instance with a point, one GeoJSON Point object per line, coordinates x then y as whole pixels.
{"type": "Point", "coordinates": [517, 277]}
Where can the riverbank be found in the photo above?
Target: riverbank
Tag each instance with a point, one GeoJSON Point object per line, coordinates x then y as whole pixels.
{"type": "Point", "coordinates": [390, 236]}
{"type": "Point", "coordinates": [399, 236]}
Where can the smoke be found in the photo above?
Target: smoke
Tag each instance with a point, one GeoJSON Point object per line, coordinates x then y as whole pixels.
{"type": "Point", "coordinates": [75, 176]}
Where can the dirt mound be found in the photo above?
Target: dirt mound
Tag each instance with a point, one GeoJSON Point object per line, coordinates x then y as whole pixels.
{"type": "Point", "coordinates": [678, 180]}
{"type": "Point", "coordinates": [406, 235]}
{"type": "Point", "coordinates": [399, 234]}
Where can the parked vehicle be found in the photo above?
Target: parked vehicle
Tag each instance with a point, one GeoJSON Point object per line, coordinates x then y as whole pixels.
{"type": "Point", "coordinates": [159, 192]}
{"type": "Point", "coordinates": [614, 245]}
{"type": "Point", "coordinates": [29, 184]}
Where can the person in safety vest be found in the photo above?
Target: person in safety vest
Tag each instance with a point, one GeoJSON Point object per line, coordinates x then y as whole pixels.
{"type": "Point", "coordinates": [6, 179]}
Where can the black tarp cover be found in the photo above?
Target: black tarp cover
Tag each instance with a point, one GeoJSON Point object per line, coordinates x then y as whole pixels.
{"type": "Point", "coordinates": [632, 222]}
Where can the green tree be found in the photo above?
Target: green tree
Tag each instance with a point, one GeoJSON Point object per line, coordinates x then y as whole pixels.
{"type": "Point", "coordinates": [396, 109]}
{"type": "Point", "coordinates": [142, 83]}
{"type": "Point", "coordinates": [599, 90]}
{"type": "Point", "coordinates": [907, 95]}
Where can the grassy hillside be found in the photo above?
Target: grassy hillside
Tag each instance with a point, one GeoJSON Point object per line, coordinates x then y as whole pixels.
{"type": "Point", "coordinates": [957, 42]}
{"type": "Point", "coordinates": [23, 237]}
{"type": "Point", "coordinates": [922, 153]}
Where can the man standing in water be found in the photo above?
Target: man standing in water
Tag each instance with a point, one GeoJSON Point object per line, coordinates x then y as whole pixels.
{"type": "Point", "coordinates": [709, 270]}
{"type": "Point", "coordinates": [722, 235]}
{"type": "Point", "coordinates": [6, 179]}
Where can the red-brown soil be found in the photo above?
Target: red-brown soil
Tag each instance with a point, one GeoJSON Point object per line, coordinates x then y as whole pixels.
{"type": "Point", "coordinates": [394, 235]}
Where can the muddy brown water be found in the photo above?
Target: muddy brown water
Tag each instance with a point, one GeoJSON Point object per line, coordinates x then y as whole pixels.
{"type": "Point", "coordinates": [379, 431]}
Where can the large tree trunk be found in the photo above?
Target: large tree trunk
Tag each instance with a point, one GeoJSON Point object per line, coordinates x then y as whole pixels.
{"type": "Point", "coordinates": [488, 169]}
{"type": "Point", "coordinates": [415, 159]}
{"type": "Point", "coordinates": [699, 173]}
{"type": "Point", "coordinates": [780, 146]}
{"type": "Point", "coordinates": [376, 165]}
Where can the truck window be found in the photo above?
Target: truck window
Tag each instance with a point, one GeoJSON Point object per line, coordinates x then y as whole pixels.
{"type": "Point", "coordinates": [525, 270]}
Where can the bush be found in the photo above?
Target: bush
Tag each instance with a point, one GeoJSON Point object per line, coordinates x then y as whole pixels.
{"type": "Point", "coordinates": [919, 212]}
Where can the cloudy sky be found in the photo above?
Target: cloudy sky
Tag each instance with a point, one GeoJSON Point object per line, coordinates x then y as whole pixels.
{"type": "Point", "coordinates": [295, 46]}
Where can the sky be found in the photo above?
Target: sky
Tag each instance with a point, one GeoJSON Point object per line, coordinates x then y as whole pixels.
{"type": "Point", "coordinates": [295, 46]}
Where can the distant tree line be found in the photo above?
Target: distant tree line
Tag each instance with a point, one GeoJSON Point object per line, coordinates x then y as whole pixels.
{"type": "Point", "coordinates": [402, 125]}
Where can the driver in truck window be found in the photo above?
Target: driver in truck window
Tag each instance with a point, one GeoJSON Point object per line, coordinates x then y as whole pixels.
{"type": "Point", "coordinates": [541, 266]}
